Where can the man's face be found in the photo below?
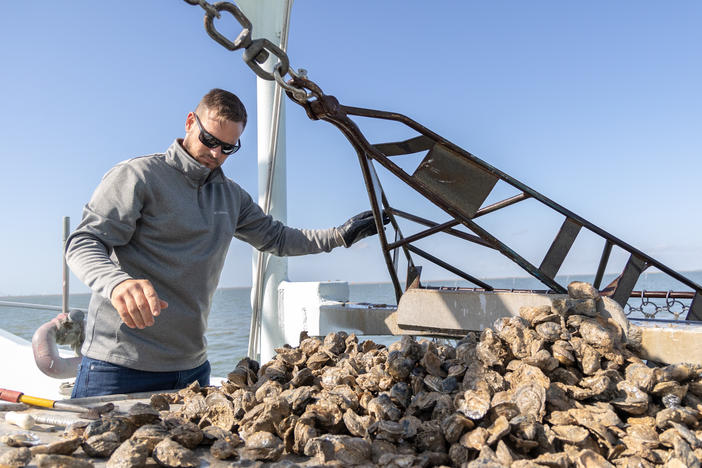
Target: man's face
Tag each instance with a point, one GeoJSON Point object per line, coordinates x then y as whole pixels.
{"type": "Point", "coordinates": [224, 130]}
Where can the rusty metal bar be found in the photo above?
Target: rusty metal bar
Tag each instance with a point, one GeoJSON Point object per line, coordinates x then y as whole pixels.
{"type": "Point", "coordinates": [423, 234]}
{"type": "Point", "coordinates": [413, 145]}
{"type": "Point", "coordinates": [620, 289]}
{"type": "Point", "coordinates": [663, 294]}
{"type": "Point", "coordinates": [554, 258]}
{"type": "Point", "coordinates": [398, 233]}
{"type": "Point", "coordinates": [371, 180]}
{"type": "Point", "coordinates": [501, 204]}
{"type": "Point", "coordinates": [453, 232]}
{"type": "Point", "coordinates": [450, 268]}
{"type": "Point", "coordinates": [514, 256]}
{"type": "Point", "coordinates": [603, 264]}
{"type": "Point", "coordinates": [695, 312]}
{"type": "Point", "coordinates": [634, 294]}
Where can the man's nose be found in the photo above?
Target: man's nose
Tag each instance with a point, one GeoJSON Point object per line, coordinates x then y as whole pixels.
{"type": "Point", "coordinates": [216, 152]}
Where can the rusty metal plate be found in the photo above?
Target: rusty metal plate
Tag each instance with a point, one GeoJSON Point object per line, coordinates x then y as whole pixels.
{"type": "Point", "coordinates": [457, 180]}
{"type": "Point", "coordinates": [627, 280]}
{"type": "Point", "coordinates": [560, 247]}
{"type": "Point", "coordinates": [695, 312]}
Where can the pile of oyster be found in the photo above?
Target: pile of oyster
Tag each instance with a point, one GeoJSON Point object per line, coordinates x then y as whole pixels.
{"type": "Point", "coordinates": [558, 386]}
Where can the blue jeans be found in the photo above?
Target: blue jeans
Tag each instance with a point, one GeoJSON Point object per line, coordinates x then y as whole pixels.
{"type": "Point", "coordinates": [103, 378]}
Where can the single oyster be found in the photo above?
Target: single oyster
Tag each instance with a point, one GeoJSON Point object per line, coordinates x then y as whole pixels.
{"type": "Point", "coordinates": [262, 446]}
{"type": "Point", "coordinates": [224, 448]}
{"type": "Point", "coordinates": [355, 424]}
{"type": "Point", "coordinates": [20, 439]}
{"type": "Point", "coordinates": [188, 435]}
{"type": "Point", "coordinates": [453, 427]}
{"type": "Point", "coordinates": [60, 447]}
{"type": "Point", "coordinates": [140, 414]}
{"type": "Point", "coordinates": [172, 454]}
{"type": "Point", "coordinates": [382, 408]}
{"type": "Point", "coordinates": [346, 450]}
{"type": "Point", "coordinates": [61, 461]}
{"type": "Point", "coordinates": [16, 457]}
{"type": "Point", "coordinates": [131, 454]}
{"type": "Point", "coordinates": [101, 445]}
{"type": "Point", "coordinates": [151, 434]}
{"type": "Point", "coordinates": [122, 427]}
{"type": "Point", "coordinates": [220, 412]}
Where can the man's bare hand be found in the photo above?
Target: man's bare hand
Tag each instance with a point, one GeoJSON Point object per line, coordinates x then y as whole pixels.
{"type": "Point", "coordinates": [137, 303]}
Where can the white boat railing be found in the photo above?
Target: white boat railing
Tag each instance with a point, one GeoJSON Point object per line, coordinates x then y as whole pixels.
{"type": "Point", "coordinates": [26, 305]}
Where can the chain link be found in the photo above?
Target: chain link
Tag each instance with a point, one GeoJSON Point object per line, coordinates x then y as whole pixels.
{"type": "Point", "coordinates": [651, 308]}
{"type": "Point", "coordinates": [256, 51]}
{"type": "Point", "coordinates": [209, 9]}
{"type": "Point", "coordinates": [299, 94]}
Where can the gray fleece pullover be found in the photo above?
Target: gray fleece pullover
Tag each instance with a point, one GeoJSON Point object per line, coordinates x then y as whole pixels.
{"type": "Point", "coordinates": [168, 219]}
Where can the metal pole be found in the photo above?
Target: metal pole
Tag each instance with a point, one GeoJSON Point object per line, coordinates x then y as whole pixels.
{"type": "Point", "coordinates": [270, 19]}
{"type": "Point", "coordinates": [64, 289]}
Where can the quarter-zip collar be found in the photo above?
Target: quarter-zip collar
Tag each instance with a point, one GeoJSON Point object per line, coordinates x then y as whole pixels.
{"type": "Point", "coordinates": [179, 158]}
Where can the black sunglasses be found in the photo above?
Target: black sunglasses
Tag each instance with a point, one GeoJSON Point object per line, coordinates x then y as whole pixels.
{"type": "Point", "coordinates": [211, 141]}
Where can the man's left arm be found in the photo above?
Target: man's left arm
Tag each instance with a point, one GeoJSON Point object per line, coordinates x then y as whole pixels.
{"type": "Point", "coordinates": [266, 234]}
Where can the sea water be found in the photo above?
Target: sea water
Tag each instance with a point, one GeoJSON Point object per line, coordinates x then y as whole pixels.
{"type": "Point", "coordinates": [229, 321]}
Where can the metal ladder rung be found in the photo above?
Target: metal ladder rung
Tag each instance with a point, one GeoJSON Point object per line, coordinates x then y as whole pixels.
{"type": "Point", "coordinates": [413, 145]}
{"type": "Point", "coordinates": [695, 312]}
{"type": "Point", "coordinates": [560, 247]}
{"type": "Point", "coordinates": [620, 289]}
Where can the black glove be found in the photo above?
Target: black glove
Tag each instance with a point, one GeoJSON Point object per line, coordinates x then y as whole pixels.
{"type": "Point", "coordinates": [360, 226]}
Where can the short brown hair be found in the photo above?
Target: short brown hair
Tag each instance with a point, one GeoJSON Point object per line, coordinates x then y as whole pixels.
{"type": "Point", "coordinates": [227, 105]}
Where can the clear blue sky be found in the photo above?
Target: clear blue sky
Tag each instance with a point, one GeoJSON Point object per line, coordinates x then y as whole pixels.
{"type": "Point", "coordinates": [598, 105]}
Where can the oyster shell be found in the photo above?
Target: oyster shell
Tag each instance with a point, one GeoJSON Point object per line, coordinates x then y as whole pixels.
{"type": "Point", "coordinates": [172, 454]}
{"type": "Point", "coordinates": [61, 461]}
{"type": "Point", "coordinates": [60, 447]}
{"type": "Point", "coordinates": [131, 454]}
{"type": "Point", "coordinates": [16, 457]}
{"type": "Point", "coordinates": [101, 445]}
{"type": "Point", "coordinates": [346, 450]}
{"type": "Point", "coordinates": [262, 446]}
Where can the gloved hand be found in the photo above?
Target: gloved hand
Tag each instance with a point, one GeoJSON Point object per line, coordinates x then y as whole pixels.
{"type": "Point", "coordinates": [360, 226]}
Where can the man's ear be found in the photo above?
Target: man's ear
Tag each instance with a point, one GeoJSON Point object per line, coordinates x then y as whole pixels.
{"type": "Point", "coordinates": [189, 121]}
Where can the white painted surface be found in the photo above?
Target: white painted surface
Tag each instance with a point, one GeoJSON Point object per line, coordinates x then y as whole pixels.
{"type": "Point", "coordinates": [19, 372]}
{"type": "Point", "coordinates": [267, 17]}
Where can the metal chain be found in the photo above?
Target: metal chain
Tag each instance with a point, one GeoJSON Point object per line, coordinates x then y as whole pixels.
{"type": "Point", "coordinates": [256, 51]}
{"type": "Point", "coordinates": [649, 309]}
{"type": "Point", "coordinates": [209, 9]}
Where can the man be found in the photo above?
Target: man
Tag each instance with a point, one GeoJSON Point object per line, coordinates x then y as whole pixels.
{"type": "Point", "coordinates": [151, 246]}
